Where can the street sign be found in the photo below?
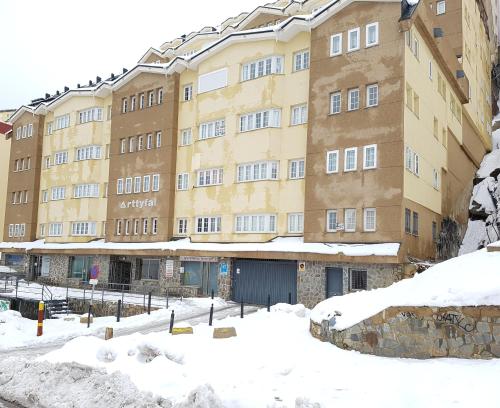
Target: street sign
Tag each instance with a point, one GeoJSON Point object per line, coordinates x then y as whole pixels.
{"type": "Point", "coordinates": [4, 305]}
{"type": "Point", "coordinates": [169, 268]}
{"type": "Point", "coordinates": [93, 282]}
{"type": "Point", "coordinates": [301, 266]}
{"type": "Point", "coordinates": [223, 268]}
{"type": "Point", "coordinates": [94, 272]}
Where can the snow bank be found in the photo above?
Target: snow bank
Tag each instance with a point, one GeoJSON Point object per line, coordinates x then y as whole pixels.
{"type": "Point", "coordinates": [468, 280]}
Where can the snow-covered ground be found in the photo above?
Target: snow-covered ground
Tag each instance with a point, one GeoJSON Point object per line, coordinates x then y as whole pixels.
{"type": "Point", "coordinates": [16, 331]}
{"type": "Point", "coordinates": [468, 280]}
{"type": "Point", "coordinates": [273, 362]}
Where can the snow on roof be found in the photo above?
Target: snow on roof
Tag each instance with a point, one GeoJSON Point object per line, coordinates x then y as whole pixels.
{"type": "Point", "coordinates": [468, 280]}
{"type": "Point", "coordinates": [288, 244]}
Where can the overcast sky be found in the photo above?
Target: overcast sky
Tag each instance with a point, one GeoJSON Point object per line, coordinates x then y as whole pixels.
{"type": "Point", "coordinates": [45, 45]}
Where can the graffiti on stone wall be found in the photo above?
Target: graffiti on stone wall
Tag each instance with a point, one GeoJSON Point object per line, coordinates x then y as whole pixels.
{"type": "Point", "coordinates": [410, 315]}
{"type": "Point", "coordinates": [458, 320]}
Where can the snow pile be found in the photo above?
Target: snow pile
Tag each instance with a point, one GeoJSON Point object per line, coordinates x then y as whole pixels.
{"type": "Point", "coordinates": [273, 362]}
{"type": "Point", "coordinates": [468, 280]}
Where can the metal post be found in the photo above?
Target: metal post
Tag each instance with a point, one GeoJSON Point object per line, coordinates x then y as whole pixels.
{"type": "Point", "coordinates": [268, 303]}
{"type": "Point", "coordinates": [67, 291]}
{"type": "Point", "coordinates": [167, 298]}
{"type": "Point", "coordinates": [144, 301]}
{"type": "Point", "coordinates": [88, 317]}
{"type": "Point", "coordinates": [149, 303]}
{"type": "Point", "coordinates": [17, 285]}
{"type": "Point", "coordinates": [172, 317]}
{"type": "Point", "coordinates": [212, 294]}
{"type": "Point", "coordinates": [84, 294]}
{"type": "Point", "coordinates": [210, 319]}
{"type": "Point", "coordinates": [241, 313]}
{"type": "Point", "coordinates": [41, 307]}
{"type": "Point", "coordinates": [119, 310]}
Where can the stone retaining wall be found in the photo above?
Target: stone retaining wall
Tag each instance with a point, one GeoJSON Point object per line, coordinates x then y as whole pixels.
{"type": "Point", "coordinates": [421, 332]}
{"type": "Point", "coordinates": [106, 308]}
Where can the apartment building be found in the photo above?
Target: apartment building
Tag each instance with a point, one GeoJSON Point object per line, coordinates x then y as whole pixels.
{"type": "Point", "coordinates": [4, 163]}
{"type": "Point", "coordinates": [303, 150]}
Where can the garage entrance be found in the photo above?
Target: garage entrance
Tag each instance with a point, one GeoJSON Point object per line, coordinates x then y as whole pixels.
{"type": "Point", "coordinates": [254, 280]}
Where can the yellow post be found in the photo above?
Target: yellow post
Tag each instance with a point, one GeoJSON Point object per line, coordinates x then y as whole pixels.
{"type": "Point", "coordinates": [41, 307]}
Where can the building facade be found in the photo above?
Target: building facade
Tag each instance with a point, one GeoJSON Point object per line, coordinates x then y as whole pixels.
{"type": "Point", "coordinates": [303, 150]}
{"type": "Point", "coordinates": [4, 165]}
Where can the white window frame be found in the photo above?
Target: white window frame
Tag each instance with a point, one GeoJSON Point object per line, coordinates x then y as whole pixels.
{"type": "Point", "coordinates": [151, 98]}
{"type": "Point", "coordinates": [137, 184]}
{"type": "Point", "coordinates": [296, 169]}
{"type": "Point", "coordinates": [186, 137]}
{"type": "Point", "coordinates": [61, 158]}
{"type": "Point", "coordinates": [332, 39]}
{"type": "Point", "coordinates": [350, 48]}
{"type": "Point", "coordinates": [158, 139]}
{"type": "Point", "coordinates": [182, 181]}
{"type": "Point", "coordinates": [298, 114]}
{"type": "Point", "coordinates": [347, 212]}
{"type": "Point", "coordinates": [56, 229]}
{"type": "Point", "coordinates": [214, 176]}
{"type": "Point", "coordinates": [257, 171]}
{"type": "Point", "coordinates": [346, 152]}
{"type": "Point", "coordinates": [86, 191]}
{"type": "Point", "coordinates": [436, 182]}
{"type": "Point", "coordinates": [154, 226]}
{"type": "Point", "coordinates": [58, 193]}
{"type": "Point", "coordinates": [83, 229]}
{"type": "Point", "coordinates": [301, 60]}
{"type": "Point", "coordinates": [155, 182]}
{"type": "Point", "coordinates": [88, 153]}
{"type": "Point", "coordinates": [146, 184]}
{"type": "Point", "coordinates": [328, 213]}
{"type": "Point", "coordinates": [255, 223]}
{"type": "Point", "coordinates": [369, 103]}
{"type": "Point", "coordinates": [365, 149]}
{"type": "Point", "coordinates": [120, 187]}
{"type": "Point", "coordinates": [270, 65]}
{"type": "Point", "coordinates": [295, 223]}
{"type": "Point", "coordinates": [350, 94]}
{"type": "Point", "coordinates": [182, 226]}
{"type": "Point", "coordinates": [440, 7]}
{"type": "Point", "coordinates": [187, 92]}
{"type": "Point", "coordinates": [215, 128]}
{"type": "Point", "coordinates": [329, 154]}
{"type": "Point", "coordinates": [333, 95]}
{"type": "Point", "coordinates": [269, 118]}
{"type": "Point", "coordinates": [90, 115]}
{"type": "Point", "coordinates": [366, 228]}
{"type": "Point", "coordinates": [212, 223]}
{"type": "Point", "coordinates": [367, 28]}
{"type": "Point", "coordinates": [128, 185]}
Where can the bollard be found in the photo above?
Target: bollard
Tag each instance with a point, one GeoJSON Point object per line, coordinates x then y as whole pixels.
{"type": "Point", "coordinates": [41, 307]}
{"type": "Point", "coordinates": [210, 319]}
{"type": "Point", "coordinates": [119, 310]}
{"type": "Point", "coordinates": [212, 294]}
{"type": "Point", "coordinates": [241, 313]}
{"type": "Point", "coordinates": [88, 320]}
{"type": "Point", "coordinates": [172, 317]}
{"type": "Point", "coordinates": [289, 298]}
{"type": "Point", "coordinates": [149, 303]}
{"type": "Point", "coordinates": [17, 285]}
{"type": "Point", "coordinates": [268, 303]}
{"type": "Point", "coordinates": [84, 295]}
{"type": "Point", "coordinates": [109, 333]}
{"type": "Point", "coordinates": [167, 298]}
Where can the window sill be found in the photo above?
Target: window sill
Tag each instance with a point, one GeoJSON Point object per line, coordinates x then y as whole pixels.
{"type": "Point", "coordinates": [369, 168]}
{"type": "Point", "coordinates": [256, 130]}
{"type": "Point", "coordinates": [353, 50]}
{"type": "Point", "coordinates": [350, 171]}
{"type": "Point", "coordinates": [371, 45]}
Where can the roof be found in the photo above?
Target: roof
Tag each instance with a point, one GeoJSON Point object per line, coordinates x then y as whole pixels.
{"type": "Point", "coordinates": [5, 128]}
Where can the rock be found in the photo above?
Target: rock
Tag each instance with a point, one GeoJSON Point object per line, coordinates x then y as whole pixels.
{"type": "Point", "coordinates": [224, 332]}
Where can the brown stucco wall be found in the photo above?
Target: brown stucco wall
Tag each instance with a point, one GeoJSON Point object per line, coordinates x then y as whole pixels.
{"type": "Point", "coordinates": [159, 117]}
{"type": "Point", "coordinates": [382, 125]}
{"type": "Point", "coordinates": [27, 180]}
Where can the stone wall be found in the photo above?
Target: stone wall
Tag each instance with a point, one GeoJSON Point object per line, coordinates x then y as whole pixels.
{"type": "Point", "coordinates": [421, 332]}
{"type": "Point", "coordinates": [79, 306]}
{"type": "Point", "coordinates": [311, 284]}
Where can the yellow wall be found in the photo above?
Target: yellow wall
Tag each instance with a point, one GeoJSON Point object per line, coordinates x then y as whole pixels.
{"type": "Point", "coordinates": [4, 168]}
{"type": "Point", "coordinates": [75, 172]}
{"type": "Point", "coordinates": [288, 142]}
{"type": "Point", "coordinates": [419, 131]}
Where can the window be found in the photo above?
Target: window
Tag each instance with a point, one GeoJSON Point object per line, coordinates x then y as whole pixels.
{"type": "Point", "coordinates": [141, 101]}
{"type": "Point", "coordinates": [186, 137]}
{"type": "Point", "coordinates": [137, 184]}
{"type": "Point", "coordinates": [131, 144]}
{"type": "Point", "coordinates": [145, 226]}
{"type": "Point", "coordinates": [119, 186]}
{"type": "Point", "coordinates": [296, 223]}
{"type": "Point", "coordinates": [350, 159]}
{"type": "Point", "coordinates": [58, 193]}
{"type": "Point", "coordinates": [11, 227]}
{"type": "Point", "coordinates": [370, 219]}
{"type": "Point", "coordinates": [61, 158]}
{"type": "Point", "coordinates": [86, 190]}
{"type": "Point", "coordinates": [416, 104]}
{"type": "Point", "coordinates": [256, 171]}
{"type": "Point", "coordinates": [127, 227]}
{"type": "Point", "coordinates": [255, 223]}
{"type": "Point", "coordinates": [124, 105]}
{"type": "Point", "coordinates": [212, 81]}
{"type": "Point", "coordinates": [88, 153]}
{"type": "Point", "coordinates": [335, 102]}
{"type": "Point", "coordinates": [182, 226]}
{"type": "Point", "coordinates": [30, 130]}
{"type": "Point", "coordinates": [123, 145]}
{"type": "Point", "coordinates": [151, 98]}
{"type": "Point", "coordinates": [430, 70]}
{"type": "Point", "coordinates": [353, 40]}
{"type": "Point", "coordinates": [118, 227]}
{"type": "Point", "coordinates": [25, 132]}
{"type": "Point", "coordinates": [45, 196]}
{"type": "Point", "coordinates": [62, 121]}
{"type": "Point", "coordinates": [42, 230]}
{"type": "Point", "coordinates": [156, 182]}
{"type": "Point", "coordinates": [336, 44]}
{"type": "Point", "coordinates": [372, 95]}
{"type": "Point", "coordinates": [140, 143]}
{"type": "Point", "coordinates": [146, 184]}
{"type": "Point", "coordinates": [416, 47]}
{"type": "Point", "coordinates": [440, 7]}
{"type": "Point", "coordinates": [83, 229]}
{"type": "Point", "coordinates": [90, 115]}
{"type": "Point", "coordinates": [359, 279]}
{"type": "Point", "coordinates": [55, 229]}
{"type": "Point", "coordinates": [136, 227]}
{"type": "Point", "coordinates": [331, 221]}
{"type": "Point", "coordinates": [296, 169]}
{"type": "Point", "coordinates": [209, 177]}
{"type": "Point", "coordinates": [28, 163]}
{"type": "Point", "coordinates": [14, 197]}
{"type": "Point", "coordinates": [128, 185]}
{"type": "Point", "coordinates": [371, 34]}
{"type": "Point", "coordinates": [208, 224]}
{"type": "Point", "coordinates": [133, 101]}
{"type": "Point", "coordinates": [159, 99]}
{"type": "Point", "coordinates": [262, 67]}
{"type": "Point", "coordinates": [158, 140]}
{"type": "Point", "coordinates": [370, 157]}
{"type": "Point", "coordinates": [353, 99]}
{"type": "Point", "coordinates": [149, 141]}
{"type": "Point", "coordinates": [150, 269]}
{"type": "Point", "coordinates": [416, 164]}
{"type": "Point", "coordinates": [301, 60]}
{"type": "Point", "coordinates": [332, 161]}
{"type": "Point", "coordinates": [299, 114]}
{"type": "Point", "coordinates": [260, 120]}
{"type": "Point", "coordinates": [182, 181]}
{"type": "Point", "coordinates": [212, 129]}
{"type": "Point", "coordinates": [407, 221]}
{"type": "Point", "coordinates": [187, 93]}
{"type": "Point", "coordinates": [350, 219]}
{"type": "Point", "coordinates": [436, 182]}
{"type": "Point", "coordinates": [415, 224]}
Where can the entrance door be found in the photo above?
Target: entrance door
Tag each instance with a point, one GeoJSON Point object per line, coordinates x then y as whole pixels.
{"type": "Point", "coordinates": [334, 282]}
{"type": "Point", "coordinates": [209, 278]}
{"type": "Point", "coordinates": [201, 274]}
{"type": "Point", "coordinates": [120, 274]}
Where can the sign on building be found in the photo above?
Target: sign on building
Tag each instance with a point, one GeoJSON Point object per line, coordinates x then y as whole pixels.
{"type": "Point", "coordinates": [169, 268]}
{"type": "Point", "coordinates": [223, 267]}
{"type": "Point", "coordinates": [4, 305]}
{"type": "Point", "coordinates": [301, 266]}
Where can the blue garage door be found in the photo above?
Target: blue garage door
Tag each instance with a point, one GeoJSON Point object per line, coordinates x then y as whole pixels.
{"type": "Point", "coordinates": [259, 278]}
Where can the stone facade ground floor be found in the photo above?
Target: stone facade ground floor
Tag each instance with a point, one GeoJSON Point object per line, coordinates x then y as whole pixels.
{"type": "Point", "coordinates": [307, 282]}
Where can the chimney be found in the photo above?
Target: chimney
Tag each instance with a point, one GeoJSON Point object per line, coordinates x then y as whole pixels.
{"type": "Point", "coordinates": [47, 96]}
{"type": "Point", "coordinates": [125, 70]}
{"type": "Point", "coordinates": [66, 89]}
{"type": "Point", "coordinates": [97, 79]}
{"type": "Point", "coordinates": [58, 93]}
{"type": "Point", "coordinates": [78, 85]}
{"type": "Point", "coordinates": [112, 76]}
{"type": "Point", "coordinates": [90, 82]}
